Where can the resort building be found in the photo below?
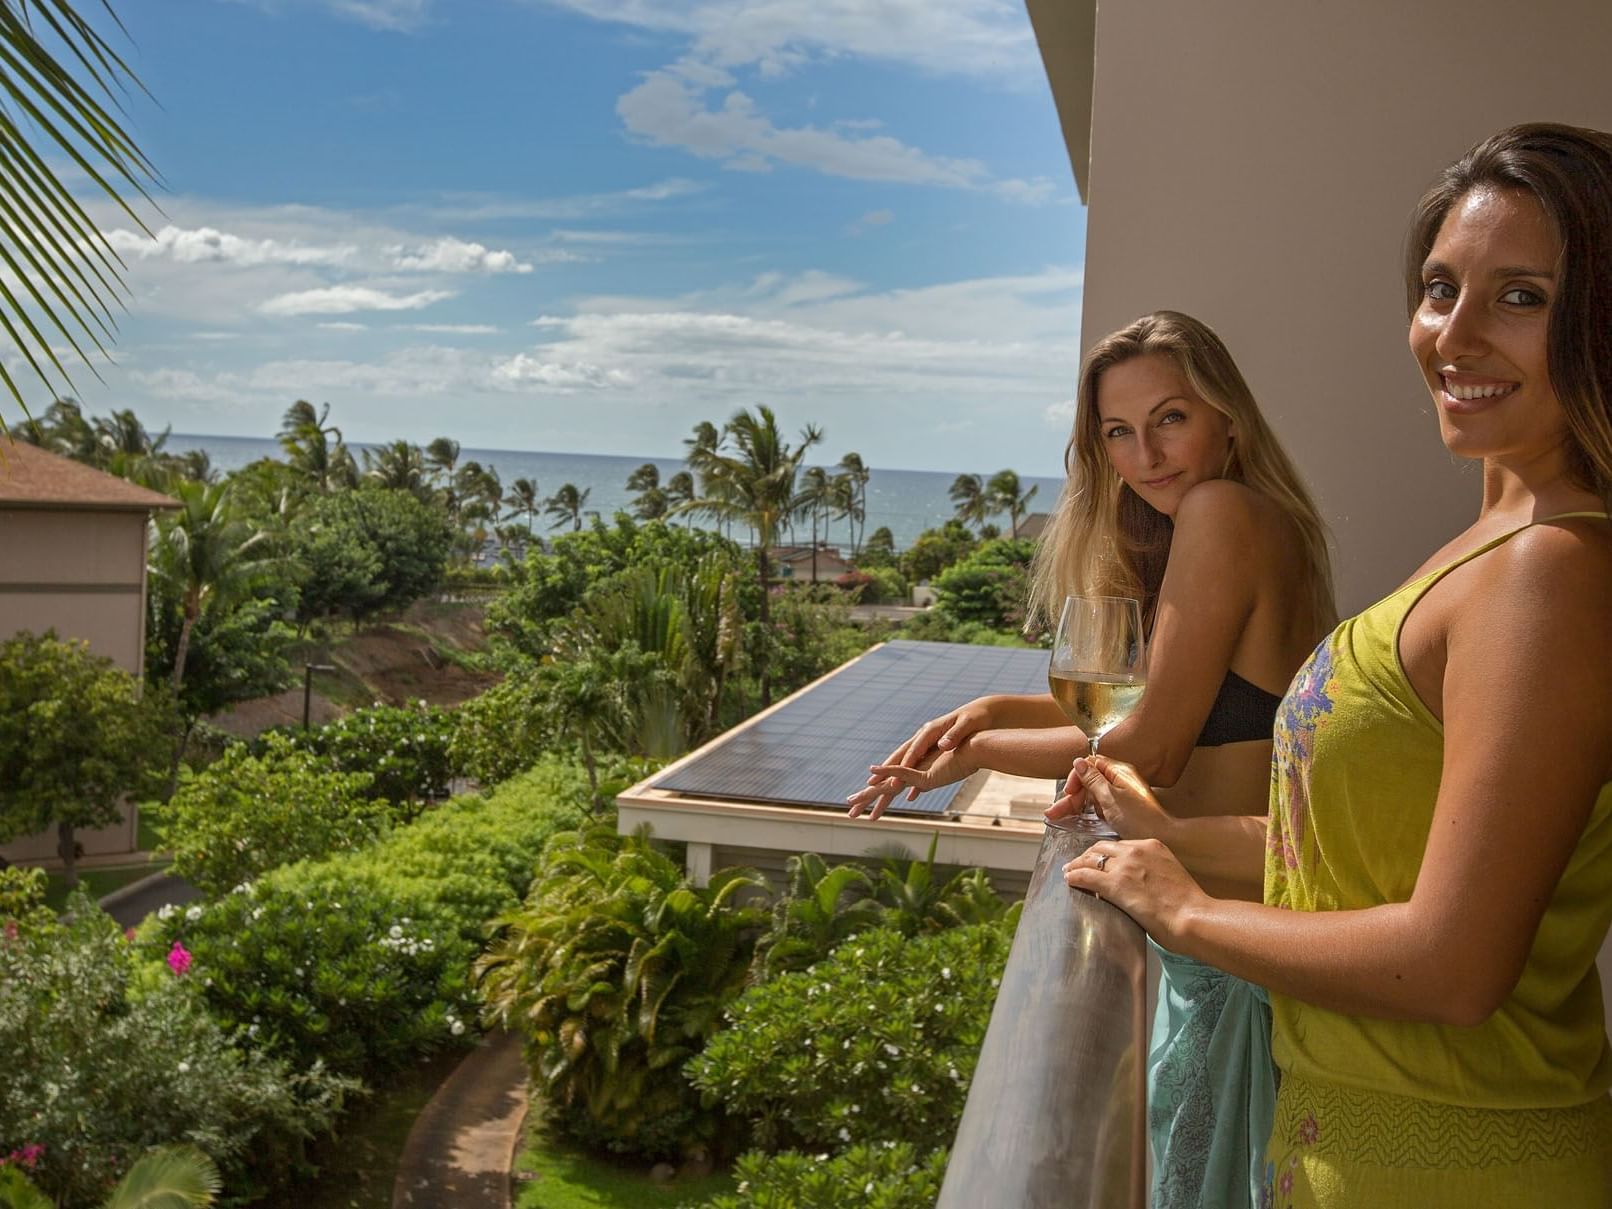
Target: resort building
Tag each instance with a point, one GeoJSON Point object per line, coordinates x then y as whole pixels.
{"type": "Point", "coordinates": [73, 560]}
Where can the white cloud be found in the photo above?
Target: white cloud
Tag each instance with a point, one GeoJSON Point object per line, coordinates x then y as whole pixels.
{"type": "Point", "coordinates": [204, 245]}
{"type": "Point", "coordinates": [1060, 414]}
{"type": "Point", "coordinates": [475, 207]}
{"type": "Point", "coordinates": [454, 329]}
{"type": "Point", "coordinates": [402, 16]}
{"type": "Point", "coordinates": [344, 299]}
{"type": "Point", "coordinates": [524, 371]}
{"type": "Point", "coordinates": [873, 218]}
{"type": "Point", "coordinates": [343, 326]}
{"type": "Point", "coordinates": [450, 255]}
{"type": "Point", "coordinates": [981, 38]}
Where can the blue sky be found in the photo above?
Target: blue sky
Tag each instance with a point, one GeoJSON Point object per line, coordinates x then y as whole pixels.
{"type": "Point", "coordinates": [584, 225]}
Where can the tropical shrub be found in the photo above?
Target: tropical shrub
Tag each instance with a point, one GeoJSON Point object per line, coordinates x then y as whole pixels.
{"type": "Point", "coordinates": [362, 960]}
{"type": "Point", "coordinates": [811, 635]}
{"type": "Point", "coordinates": [875, 1043]}
{"type": "Point", "coordinates": [989, 585]}
{"type": "Point", "coordinates": [107, 1057]}
{"type": "Point", "coordinates": [935, 550]}
{"type": "Point", "coordinates": [617, 970]}
{"type": "Point", "coordinates": [934, 625]}
{"type": "Point", "coordinates": [245, 814]}
{"type": "Point", "coordinates": [503, 731]}
{"type": "Point", "coordinates": [820, 908]}
{"type": "Point", "coordinates": [405, 749]}
{"type": "Point", "coordinates": [894, 1175]}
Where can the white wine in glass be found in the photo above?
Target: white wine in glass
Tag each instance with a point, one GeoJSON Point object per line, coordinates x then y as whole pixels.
{"type": "Point", "coordinates": [1097, 672]}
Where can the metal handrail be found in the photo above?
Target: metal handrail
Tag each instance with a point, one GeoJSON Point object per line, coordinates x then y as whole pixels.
{"type": "Point", "coordinates": [1056, 1113]}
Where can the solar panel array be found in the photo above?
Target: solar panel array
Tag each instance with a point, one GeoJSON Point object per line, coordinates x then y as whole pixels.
{"type": "Point", "coordinates": [816, 748]}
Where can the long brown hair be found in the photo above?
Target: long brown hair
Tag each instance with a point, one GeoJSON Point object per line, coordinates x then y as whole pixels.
{"type": "Point", "coordinates": [1568, 171]}
{"type": "Point", "coordinates": [1102, 538]}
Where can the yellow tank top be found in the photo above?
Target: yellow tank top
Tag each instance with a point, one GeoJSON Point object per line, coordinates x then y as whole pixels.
{"type": "Point", "coordinates": [1355, 776]}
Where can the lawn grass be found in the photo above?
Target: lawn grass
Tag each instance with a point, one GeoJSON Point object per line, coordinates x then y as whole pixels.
{"type": "Point", "coordinates": [551, 1174]}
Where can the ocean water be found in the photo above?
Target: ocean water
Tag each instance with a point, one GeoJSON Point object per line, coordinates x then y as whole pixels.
{"type": "Point", "coordinates": [908, 501]}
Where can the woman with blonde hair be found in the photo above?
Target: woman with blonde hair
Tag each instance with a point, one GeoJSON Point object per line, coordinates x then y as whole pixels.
{"type": "Point", "coordinates": [1179, 496]}
{"type": "Point", "coordinates": [1437, 863]}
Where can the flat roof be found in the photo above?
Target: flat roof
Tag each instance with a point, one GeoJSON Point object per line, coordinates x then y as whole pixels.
{"type": "Point", "coordinates": [31, 477]}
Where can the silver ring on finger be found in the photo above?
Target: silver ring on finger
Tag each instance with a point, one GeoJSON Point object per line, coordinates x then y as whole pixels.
{"type": "Point", "coordinates": [1102, 861]}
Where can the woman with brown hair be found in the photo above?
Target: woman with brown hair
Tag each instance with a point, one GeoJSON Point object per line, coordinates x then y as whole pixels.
{"type": "Point", "coordinates": [1437, 864]}
{"type": "Point", "coordinates": [1179, 496]}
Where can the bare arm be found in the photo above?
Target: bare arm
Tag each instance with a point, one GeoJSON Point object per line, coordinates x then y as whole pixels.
{"type": "Point", "coordinates": [1522, 770]}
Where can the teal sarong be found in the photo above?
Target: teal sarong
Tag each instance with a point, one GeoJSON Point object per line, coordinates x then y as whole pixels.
{"type": "Point", "coordinates": [1211, 1088]}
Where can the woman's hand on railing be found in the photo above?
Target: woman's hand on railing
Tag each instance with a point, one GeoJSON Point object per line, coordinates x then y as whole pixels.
{"type": "Point", "coordinates": [940, 735]}
{"type": "Point", "coordinates": [1140, 877]}
{"type": "Point", "coordinates": [1128, 803]}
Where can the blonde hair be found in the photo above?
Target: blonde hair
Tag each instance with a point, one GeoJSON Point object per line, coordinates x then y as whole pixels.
{"type": "Point", "coordinates": [1102, 538]}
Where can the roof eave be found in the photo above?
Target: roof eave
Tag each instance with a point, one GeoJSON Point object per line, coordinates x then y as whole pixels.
{"type": "Point", "coordinates": [1066, 32]}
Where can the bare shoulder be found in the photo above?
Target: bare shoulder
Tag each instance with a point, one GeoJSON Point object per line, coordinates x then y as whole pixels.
{"type": "Point", "coordinates": [1223, 512]}
{"type": "Point", "coordinates": [1559, 572]}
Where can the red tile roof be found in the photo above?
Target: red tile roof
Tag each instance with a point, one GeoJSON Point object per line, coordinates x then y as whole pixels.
{"type": "Point", "coordinates": [31, 477]}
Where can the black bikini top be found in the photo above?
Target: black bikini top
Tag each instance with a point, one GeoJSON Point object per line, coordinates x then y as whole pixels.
{"type": "Point", "coordinates": [1241, 712]}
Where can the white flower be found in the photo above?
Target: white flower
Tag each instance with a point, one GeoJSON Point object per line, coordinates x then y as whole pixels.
{"type": "Point", "coordinates": [167, 911]}
{"type": "Point", "coordinates": [184, 1068]}
{"type": "Point", "coordinates": [893, 1050]}
{"type": "Point", "coordinates": [395, 932]}
{"type": "Point", "coordinates": [946, 972]}
{"type": "Point", "coordinates": [845, 1134]}
{"type": "Point", "coordinates": [458, 1028]}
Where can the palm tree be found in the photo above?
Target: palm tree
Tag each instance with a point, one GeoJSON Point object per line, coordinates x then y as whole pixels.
{"type": "Point", "coordinates": [815, 489]}
{"type": "Point", "coordinates": [973, 501]}
{"type": "Point", "coordinates": [566, 504]}
{"type": "Point", "coordinates": [62, 268]}
{"type": "Point", "coordinates": [859, 475]}
{"type": "Point", "coordinates": [1003, 491]}
{"type": "Point", "coordinates": [208, 554]}
{"type": "Point", "coordinates": [173, 1175]}
{"type": "Point", "coordinates": [399, 465]}
{"type": "Point", "coordinates": [314, 447]}
{"type": "Point", "coordinates": [523, 500]}
{"type": "Point", "coordinates": [650, 503]}
{"type": "Point", "coordinates": [753, 482]}
{"type": "Point", "coordinates": [64, 430]}
{"type": "Point", "coordinates": [679, 490]}
{"type": "Point", "coordinates": [442, 456]}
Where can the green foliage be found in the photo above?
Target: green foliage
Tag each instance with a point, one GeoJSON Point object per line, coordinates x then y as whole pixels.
{"type": "Point", "coordinates": [547, 587]}
{"type": "Point", "coordinates": [875, 1043]}
{"type": "Point", "coordinates": [175, 1177]}
{"type": "Point", "coordinates": [988, 585]}
{"type": "Point", "coordinates": [617, 970]}
{"type": "Point", "coordinates": [405, 749]}
{"type": "Point", "coordinates": [503, 731]}
{"type": "Point", "coordinates": [75, 733]}
{"type": "Point", "coordinates": [811, 634]}
{"type": "Point", "coordinates": [894, 1175]}
{"type": "Point", "coordinates": [236, 652]}
{"type": "Point", "coordinates": [932, 625]}
{"type": "Point", "coordinates": [877, 584]}
{"type": "Point", "coordinates": [880, 550]}
{"type": "Point", "coordinates": [362, 959]}
{"type": "Point", "coordinates": [369, 550]}
{"type": "Point", "coordinates": [248, 813]}
{"type": "Point", "coordinates": [935, 550]}
{"type": "Point", "coordinates": [106, 1058]}
{"type": "Point", "coordinates": [21, 890]}
{"type": "Point", "coordinates": [821, 908]}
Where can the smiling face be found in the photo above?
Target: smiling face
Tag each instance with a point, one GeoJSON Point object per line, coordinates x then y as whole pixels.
{"type": "Point", "coordinates": [1480, 331]}
{"type": "Point", "coordinates": [1160, 436]}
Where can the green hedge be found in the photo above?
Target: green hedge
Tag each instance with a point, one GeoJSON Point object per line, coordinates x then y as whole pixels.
{"type": "Point", "coordinates": [362, 960]}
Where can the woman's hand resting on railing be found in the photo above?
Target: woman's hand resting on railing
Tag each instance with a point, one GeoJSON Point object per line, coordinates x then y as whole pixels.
{"type": "Point", "coordinates": [925, 761]}
{"type": "Point", "coordinates": [1140, 877]}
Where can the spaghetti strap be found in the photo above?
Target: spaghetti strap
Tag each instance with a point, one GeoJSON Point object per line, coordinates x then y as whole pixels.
{"type": "Point", "coordinates": [1432, 577]}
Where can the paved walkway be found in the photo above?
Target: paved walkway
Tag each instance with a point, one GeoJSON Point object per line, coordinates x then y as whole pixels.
{"type": "Point", "coordinates": [459, 1152]}
{"type": "Point", "coordinates": [132, 903]}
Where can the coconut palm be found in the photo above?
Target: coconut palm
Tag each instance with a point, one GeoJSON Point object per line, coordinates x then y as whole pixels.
{"type": "Point", "coordinates": [173, 1176]}
{"type": "Point", "coordinates": [859, 475]}
{"type": "Point", "coordinates": [679, 491]}
{"type": "Point", "coordinates": [750, 476]}
{"type": "Point", "coordinates": [523, 500]}
{"type": "Point", "coordinates": [1003, 490]}
{"type": "Point", "coordinates": [401, 466]}
{"type": "Point", "coordinates": [314, 447]}
{"type": "Point", "coordinates": [567, 504]}
{"type": "Point", "coordinates": [973, 501]}
{"type": "Point", "coordinates": [63, 275]}
{"type": "Point", "coordinates": [650, 502]}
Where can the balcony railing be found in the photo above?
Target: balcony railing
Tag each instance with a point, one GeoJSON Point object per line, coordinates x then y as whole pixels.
{"type": "Point", "coordinates": [1056, 1113]}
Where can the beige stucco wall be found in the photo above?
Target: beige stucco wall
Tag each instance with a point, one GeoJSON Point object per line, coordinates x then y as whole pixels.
{"type": "Point", "coordinates": [1255, 163]}
{"type": "Point", "coordinates": [81, 574]}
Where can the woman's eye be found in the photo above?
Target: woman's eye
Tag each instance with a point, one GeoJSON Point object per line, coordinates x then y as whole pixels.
{"type": "Point", "coordinates": [1112, 433]}
{"type": "Point", "coordinates": [1439, 291]}
{"type": "Point", "coordinates": [1522, 296]}
{"type": "Point", "coordinates": [1172, 417]}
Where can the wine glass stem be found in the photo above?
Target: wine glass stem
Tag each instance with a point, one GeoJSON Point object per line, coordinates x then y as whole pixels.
{"type": "Point", "coordinates": [1088, 809]}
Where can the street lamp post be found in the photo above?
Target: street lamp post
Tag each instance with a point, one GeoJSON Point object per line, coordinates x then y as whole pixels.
{"type": "Point", "coordinates": [308, 669]}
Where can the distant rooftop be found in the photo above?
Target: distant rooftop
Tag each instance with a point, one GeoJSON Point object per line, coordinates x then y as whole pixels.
{"type": "Point", "coordinates": [31, 477]}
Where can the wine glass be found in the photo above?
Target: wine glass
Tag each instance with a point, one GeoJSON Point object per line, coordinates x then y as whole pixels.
{"type": "Point", "coordinates": [1097, 672]}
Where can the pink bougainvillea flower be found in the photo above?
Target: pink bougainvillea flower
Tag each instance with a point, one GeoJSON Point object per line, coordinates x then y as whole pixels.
{"type": "Point", "coordinates": [128, 935]}
{"type": "Point", "coordinates": [179, 958]}
{"type": "Point", "coordinates": [26, 1156]}
{"type": "Point", "coordinates": [11, 929]}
